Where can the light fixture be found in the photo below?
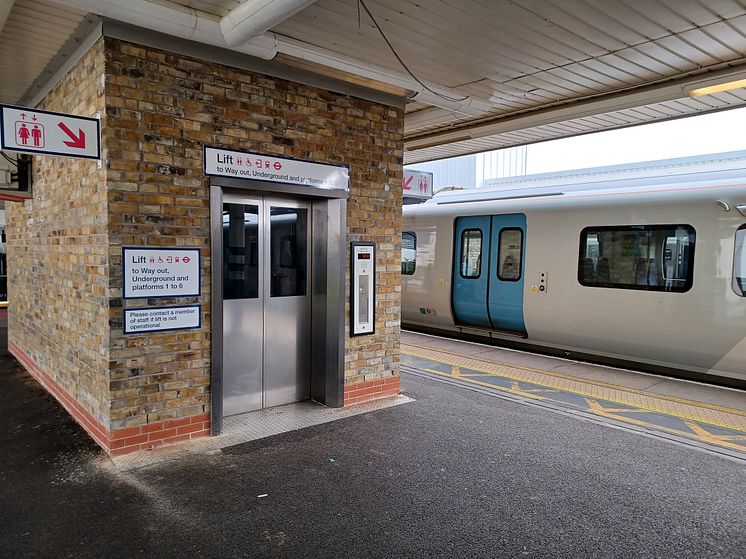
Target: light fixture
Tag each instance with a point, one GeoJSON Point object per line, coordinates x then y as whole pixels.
{"type": "Point", "coordinates": [717, 88]}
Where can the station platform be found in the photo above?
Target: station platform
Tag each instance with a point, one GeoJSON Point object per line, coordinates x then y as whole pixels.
{"type": "Point", "coordinates": [677, 409]}
{"type": "Point", "coordinates": [452, 471]}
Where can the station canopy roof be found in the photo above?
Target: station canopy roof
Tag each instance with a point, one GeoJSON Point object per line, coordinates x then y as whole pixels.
{"type": "Point", "coordinates": [477, 74]}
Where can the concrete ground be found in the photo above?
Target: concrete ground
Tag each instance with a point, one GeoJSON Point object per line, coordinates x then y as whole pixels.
{"type": "Point", "coordinates": [454, 474]}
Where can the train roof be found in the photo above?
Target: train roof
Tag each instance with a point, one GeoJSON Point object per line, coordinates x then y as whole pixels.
{"type": "Point", "coordinates": [720, 168]}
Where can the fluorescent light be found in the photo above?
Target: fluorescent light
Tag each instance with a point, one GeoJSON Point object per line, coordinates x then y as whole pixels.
{"type": "Point", "coordinates": [717, 88]}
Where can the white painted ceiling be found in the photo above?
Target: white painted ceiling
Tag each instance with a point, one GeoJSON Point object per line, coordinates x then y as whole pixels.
{"type": "Point", "coordinates": [537, 69]}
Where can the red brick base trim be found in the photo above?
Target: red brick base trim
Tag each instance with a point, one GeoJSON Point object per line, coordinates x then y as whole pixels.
{"type": "Point", "coordinates": [121, 441]}
{"type": "Point", "coordinates": [371, 390]}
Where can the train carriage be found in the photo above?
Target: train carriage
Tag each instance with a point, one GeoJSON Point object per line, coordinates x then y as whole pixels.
{"type": "Point", "coordinates": [646, 271]}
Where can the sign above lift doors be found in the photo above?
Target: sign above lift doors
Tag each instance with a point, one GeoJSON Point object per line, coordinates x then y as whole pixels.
{"type": "Point", "coordinates": [47, 133]}
{"type": "Point", "coordinates": [261, 167]}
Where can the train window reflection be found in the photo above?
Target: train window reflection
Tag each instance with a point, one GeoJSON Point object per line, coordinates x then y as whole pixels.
{"type": "Point", "coordinates": [739, 265]}
{"type": "Point", "coordinates": [471, 253]}
{"type": "Point", "coordinates": [408, 253]}
{"type": "Point", "coordinates": [646, 257]}
{"type": "Point", "coordinates": [509, 255]}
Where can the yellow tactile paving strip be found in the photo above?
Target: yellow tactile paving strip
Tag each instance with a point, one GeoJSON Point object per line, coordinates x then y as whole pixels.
{"type": "Point", "coordinates": [648, 401]}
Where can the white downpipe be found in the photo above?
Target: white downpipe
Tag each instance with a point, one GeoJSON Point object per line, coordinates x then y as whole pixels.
{"type": "Point", "coordinates": [173, 19]}
{"type": "Point", "coordinates": [5, 7]}
{"type": "Point", "coordinates": [252, 18]}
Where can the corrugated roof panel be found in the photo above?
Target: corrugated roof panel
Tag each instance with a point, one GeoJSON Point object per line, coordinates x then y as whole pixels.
{"type": "Point", "coordinates": [33, 34]}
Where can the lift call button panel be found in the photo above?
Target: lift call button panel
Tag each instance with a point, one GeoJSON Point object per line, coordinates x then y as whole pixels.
{"type": "Point", "coordinates": [363, 288]}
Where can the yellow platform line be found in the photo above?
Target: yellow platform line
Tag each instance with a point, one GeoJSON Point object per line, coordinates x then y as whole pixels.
{"type": "Point", "coordinates": [657, 403]}
{"type": "Point", "coordinates": [697, 431]}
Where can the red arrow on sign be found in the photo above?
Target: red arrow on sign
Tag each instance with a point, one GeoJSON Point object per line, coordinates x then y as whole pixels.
{"type": "Point", "coordinates": [77, 141]}
{"type": "Point", "coordinates": [405, 185]}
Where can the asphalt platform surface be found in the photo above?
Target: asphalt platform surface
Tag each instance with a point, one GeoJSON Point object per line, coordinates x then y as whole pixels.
{"type": "Point", "coordinates": [455, 474]}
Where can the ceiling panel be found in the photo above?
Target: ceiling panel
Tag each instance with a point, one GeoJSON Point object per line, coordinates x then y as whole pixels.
{"type": "Point", "coordinates": [32, 35]}
{"type": "Point", "coordinates": [533, 55]}
{"type": "Point", "coordinates": [518, 61]}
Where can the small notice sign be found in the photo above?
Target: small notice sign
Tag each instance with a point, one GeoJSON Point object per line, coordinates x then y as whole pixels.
{"type": "Point", "coordinates": [256, 166]}
{"type": "Point", "coordinates": [150, 272]}
{"type": "Point", "coordinates": [153, 319]}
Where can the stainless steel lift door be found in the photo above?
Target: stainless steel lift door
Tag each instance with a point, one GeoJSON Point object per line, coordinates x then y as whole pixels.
{"type": "Point", "coordinates": [266, 302]}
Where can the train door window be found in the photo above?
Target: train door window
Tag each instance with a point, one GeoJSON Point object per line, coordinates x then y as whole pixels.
{"type": "Point", "coordinates": [739, 265]}
{"type": "Point", "coordinates": [645, 257]}
{"type": "Point", "coordinates": [471, 253]}
{"type": "Point", "coordinates": [408, 253]}
{"type": "Point", "coordinates": [510, 247]}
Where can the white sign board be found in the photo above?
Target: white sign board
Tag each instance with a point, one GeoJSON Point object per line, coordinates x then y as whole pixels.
{"type": "Point", "coordinates": [256, 166]}
{"type": "Point", "coordinates": [43, 132]}
{"type": "Point", "coordinates": [417, 184]}
{"type": "Point", "coordinates": [153, 319]}
{"type": "Point", "coordinates": [149, 272]}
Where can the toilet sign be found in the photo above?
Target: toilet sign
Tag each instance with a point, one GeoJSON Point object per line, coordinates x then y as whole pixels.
{"type": "Point", "coordinates": [47, 133]}
{"type": "Point", "coordinates": [417, 184]}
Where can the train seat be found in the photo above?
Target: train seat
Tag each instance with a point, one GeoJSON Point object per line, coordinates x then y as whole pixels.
{"type": "Point", "coordinates": [653, 275]}
{"type": "Point", "coordinates": [589, 270]}
{"type": "Point", "coordinates": [603, 270]}
{"type": "Point", "coordinates": [640, 271]}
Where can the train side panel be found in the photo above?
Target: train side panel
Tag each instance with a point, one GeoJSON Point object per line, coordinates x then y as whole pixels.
{"type": "Point", "coordinates": [702, 329]}
{"type": "Point", "coordinates": [693, 330]}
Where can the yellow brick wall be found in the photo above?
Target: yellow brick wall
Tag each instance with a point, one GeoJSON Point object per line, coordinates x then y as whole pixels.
{"type": "Point", "coordinates": [58, 256]}
{"type": "Point", "coordinates": [161, 109]}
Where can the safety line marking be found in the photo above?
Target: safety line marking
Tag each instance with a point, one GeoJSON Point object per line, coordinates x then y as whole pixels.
{"type": "Point", "coordinates": [485, 384]}
{"type": "Point", "coordinates": [608, 419]}
{"type": "Point", "coordinates": [645, 401]}
{"type": "Point", "coordinates": [698, 431]}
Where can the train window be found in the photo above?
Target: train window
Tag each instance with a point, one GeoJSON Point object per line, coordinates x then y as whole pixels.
{"type": "Point", "coordinates": [739, 264]}
{"type": "Point", "coordinates": [510, 248]}
{"type": "Point", "coordinates": [408, 253]}
{"type": "Point", "coordinates": [471, 253]}
{"type": "Point", "coordinates": [646, 257]}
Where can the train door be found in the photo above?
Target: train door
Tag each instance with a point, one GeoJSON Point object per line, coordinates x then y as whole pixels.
{"type": "Point", "coordinates": [505, 296]}
{"type": "Point", "coordinates": [488, 271]}
{"type": "Point", "coordinates": [266, 306]}
{"type": "Point", "coordinates": [471, 270]}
